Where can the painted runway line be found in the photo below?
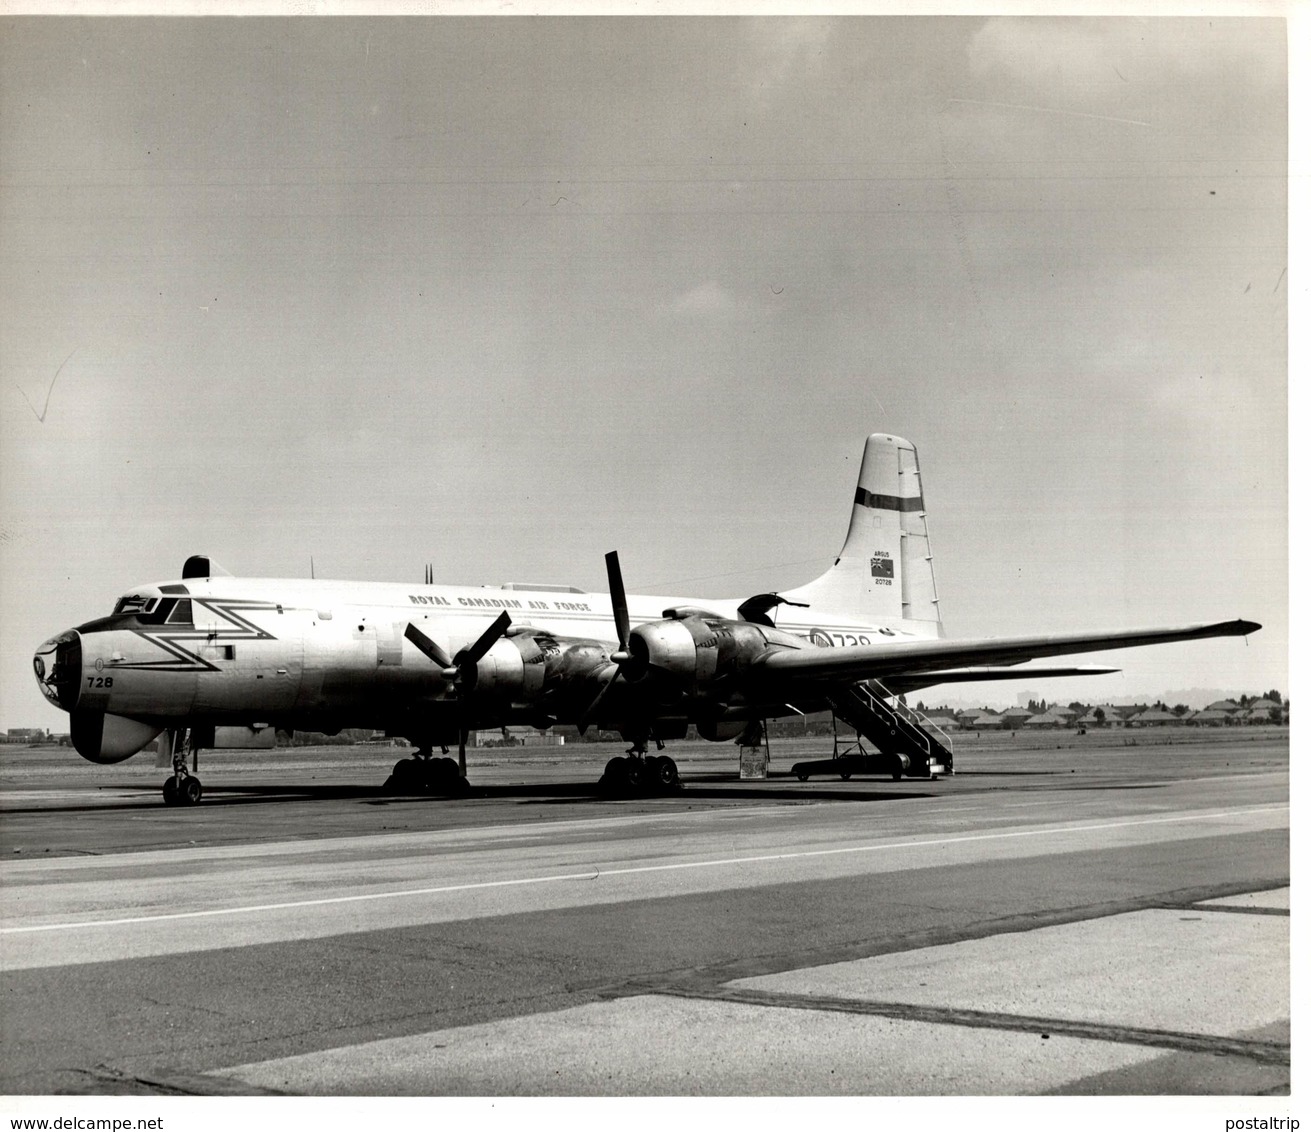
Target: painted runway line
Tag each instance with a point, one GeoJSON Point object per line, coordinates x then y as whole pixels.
{"type": "Point", "coordinates": [596, 874]}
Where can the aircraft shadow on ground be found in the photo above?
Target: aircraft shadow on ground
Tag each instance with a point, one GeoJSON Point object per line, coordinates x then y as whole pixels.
{"type": "Point", "coordinates": [549, 793]}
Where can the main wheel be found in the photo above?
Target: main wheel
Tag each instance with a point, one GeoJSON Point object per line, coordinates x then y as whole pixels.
{"type": "Point", "coordinates": [634, 773]}
{"type": "Point", "coordinates": [171, 791]}
{"type": "Point", "coordinates": [665, 772]}
{"type": "Point", "coordinates": [189, 791]}
{"type": "Point", "coordinates": [845, 775]}
{"type": "Point", "coordinates": [616, 770]}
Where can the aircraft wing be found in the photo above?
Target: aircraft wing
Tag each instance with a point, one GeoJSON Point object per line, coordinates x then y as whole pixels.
{"type": "Point", "coordinates": [863, 662]}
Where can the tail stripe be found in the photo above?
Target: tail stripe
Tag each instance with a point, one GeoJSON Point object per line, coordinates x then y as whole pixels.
{"type": "Point", "coordinates": [887, 502]}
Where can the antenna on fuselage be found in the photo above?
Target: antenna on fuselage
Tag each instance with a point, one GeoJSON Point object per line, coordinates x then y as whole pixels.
{"type": "Point", "coordinates": [311, 567]}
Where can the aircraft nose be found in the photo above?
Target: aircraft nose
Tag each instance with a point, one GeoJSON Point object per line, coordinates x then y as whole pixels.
{"type": "Point", "coordinates": [58, 668]}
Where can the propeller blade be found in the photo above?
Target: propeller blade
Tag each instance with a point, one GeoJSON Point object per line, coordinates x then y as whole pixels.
{"type": "Point", "coordinates": [479, 649]}
{"type": "Point", "coordinates": [431, 649]}
{"type": "Point", "coordinates": [588, 717]}
{"type": "Point", "coordinates": [618, 599]}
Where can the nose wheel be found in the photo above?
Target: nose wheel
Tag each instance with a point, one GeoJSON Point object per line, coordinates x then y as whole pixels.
{"type": "Point", "coordinates": [184, 791]}
{"type": "Point", "coordinates": [181, 788]}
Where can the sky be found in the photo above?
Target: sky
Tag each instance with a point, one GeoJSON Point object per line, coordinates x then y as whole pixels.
{"type": "Point", "coordinates": [504, 294]}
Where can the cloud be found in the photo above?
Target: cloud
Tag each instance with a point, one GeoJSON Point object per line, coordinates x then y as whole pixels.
{"type": "Point", "coordinates": [784, 51]}
{"type": "Point", "coordinates": [1109, 59]}
{"type": "Point", "coordinates": [707, 298]}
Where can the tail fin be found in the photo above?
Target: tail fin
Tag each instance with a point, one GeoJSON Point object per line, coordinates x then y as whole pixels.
{"type": "Point", "coordinates": [884, 573]}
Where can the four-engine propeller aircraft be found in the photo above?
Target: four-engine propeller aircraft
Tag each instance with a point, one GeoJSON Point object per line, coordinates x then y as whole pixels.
{"type": "Point", "coordinates": [207, 654]}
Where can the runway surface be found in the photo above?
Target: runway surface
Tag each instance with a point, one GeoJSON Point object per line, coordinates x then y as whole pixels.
{"type": "Point", "coordinates": [1078, 915]}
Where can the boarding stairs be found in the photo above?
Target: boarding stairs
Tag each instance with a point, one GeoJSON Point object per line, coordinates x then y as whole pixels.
{"type": "Point", "coordinates": [894, 728]}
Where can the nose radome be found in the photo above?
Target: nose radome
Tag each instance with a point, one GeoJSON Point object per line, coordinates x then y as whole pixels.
{"type": "Point", "coordinates": [58, 668]}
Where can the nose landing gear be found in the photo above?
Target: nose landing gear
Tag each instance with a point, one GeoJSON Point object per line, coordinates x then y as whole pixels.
{"type": "Point", "coordinates": [182, 788]}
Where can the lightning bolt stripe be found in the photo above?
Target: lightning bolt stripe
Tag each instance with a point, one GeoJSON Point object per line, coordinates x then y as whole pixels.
{"type": "Point", "coordinates": [173, 641]}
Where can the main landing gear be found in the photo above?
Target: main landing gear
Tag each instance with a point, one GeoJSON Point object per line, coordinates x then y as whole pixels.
{"type": "Point", "coordinates": [423, 774]}
{"type": "Point", "coordinates": [182, 788]}
{"type": "Point", "coordinates": [639, 773]}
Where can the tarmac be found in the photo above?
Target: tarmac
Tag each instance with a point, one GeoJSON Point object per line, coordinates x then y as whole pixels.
{"type": "Point", "coordinates": [1100, 915]}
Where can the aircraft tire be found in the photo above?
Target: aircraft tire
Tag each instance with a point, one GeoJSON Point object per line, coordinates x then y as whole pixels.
{"type": "Point", "coordinates": [802, 777]}
{"type": "Point", "coordinates": [616, 770]}
{"type": "Point", "coordinates": [845, 775]}
{"type": "Point", "coordinates": [190, 790]}
{"type": "Point", "coordinates": [634, 773]}
{"type": "Point", "coordinates": [401, 771]}
{"type": "Point", "coordinates": [171, 792]}
{"type": "Point", "coordinates": [449, 768]}
{"type": "Point", "coordinates": [665, 772]}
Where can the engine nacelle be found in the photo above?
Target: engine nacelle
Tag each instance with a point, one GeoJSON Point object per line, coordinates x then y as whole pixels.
{"type": "Point", "coordinates": [502, 672]}
{"type": "Point", "coordinates": [100, 737]}
{"type": "Point", "coordinates": [689, 653]}
{"type": "Point", "coordinates": [526, 667]}
{"type": "Point", "coordinates": [720, 731]}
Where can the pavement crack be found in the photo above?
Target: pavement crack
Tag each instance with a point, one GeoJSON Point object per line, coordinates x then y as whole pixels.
{"type": "Point", "coordinates": [1267, 1053]}
{"type": "Point", "coordinates": [1233, 908]}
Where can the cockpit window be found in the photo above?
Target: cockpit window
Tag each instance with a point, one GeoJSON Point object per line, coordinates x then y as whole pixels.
{"type": "Point", "coordinates": [180, 613]}
{"type": "Point", "coordinates": [136, 603]}
{"type": "Point", "coordinates": [157, 610]}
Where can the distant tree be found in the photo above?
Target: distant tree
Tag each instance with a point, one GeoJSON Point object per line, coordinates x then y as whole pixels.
{"type": "Point", "coordinates": [1082, 709]}
{"type": "Point", "coordinates": [919, 707]}
{"type": "Point", "coordinates": [1099, 715]}
{"type": "Point", "coordinates": [1180, 709]}
{"type": "Point", "coordinates": [1274, 696]}
{"type": "Point", "coordinates": [1243, 701]}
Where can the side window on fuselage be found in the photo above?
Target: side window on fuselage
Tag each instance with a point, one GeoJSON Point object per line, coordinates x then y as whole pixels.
{"type": "Point", "coordinates": [181, 613]}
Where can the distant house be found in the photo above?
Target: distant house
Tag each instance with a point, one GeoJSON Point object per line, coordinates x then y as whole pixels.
{"type": "Point", "coordinates": [1047, 719]}
{"type": "Point", "coordinates": [1208, 717]}
{"type": "Point", "coordinates": [986, 721]}
{"type": "Point", "coordinates": [1127, 711]}
{"type": "Point", "coordinates": [1015, 717]}
{"type": "Point", "coordinates": [20, 735]}
{"type": "Point", "coordinates": [944, 722]}
{"type": "Point", "coordinates": [1063, 711]}
{"type": "Point", "coordinates": [1112, 716]}
{"type": "Point", "coordinates": [1227, 706]}
{"type": "Point", "coordinates": [1155, 717]}
{"type": "Point", "coordinates": [1258, 715]}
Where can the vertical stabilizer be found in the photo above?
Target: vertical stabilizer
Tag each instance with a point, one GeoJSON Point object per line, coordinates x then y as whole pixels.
{"type": "Point", "coordinates": [884, 573]}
